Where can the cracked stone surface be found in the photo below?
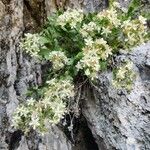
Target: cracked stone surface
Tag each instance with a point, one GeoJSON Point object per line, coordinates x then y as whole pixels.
{"type": "Point", "coordinates": [121, 119]}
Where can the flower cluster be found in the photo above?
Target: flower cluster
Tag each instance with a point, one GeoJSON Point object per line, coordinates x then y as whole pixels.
{"type": "Point", "coordinates": [93, 53]}
{"type": "Point", "coordinates": [88, 29]}
{"type": "Point", "coordinates": [134, 31]}
{"type": "Point", "coordinates": [71, 17]}
{"type": "Point", "coordinates": [31, 44]}
{"type": "Point", "coordinates": [111, 16]}
{"type": "Point", "coordinates": [58, 59]}
{"type": "Point", "coordinates": [60, 89]}
{"type": "Point", "coordinates": [124, 76]}
{"type": "Point", "coordinates": [90, 64]}
{"type": "Point", "coordinates": [49, 110]}
{"type": "Point", "coordinates": [23, 116]}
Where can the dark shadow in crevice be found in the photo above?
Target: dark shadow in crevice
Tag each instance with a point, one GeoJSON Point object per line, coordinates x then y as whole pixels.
{"type": "Point", "coordinates": [144, 73]}
{"type": "Point", "coordinates": [13, 139]}
{"type": "Point", "coordinates": [84, 138]}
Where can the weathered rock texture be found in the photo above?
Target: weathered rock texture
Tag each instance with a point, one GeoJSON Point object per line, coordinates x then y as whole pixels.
{"type": "Point", "coordinates": [112, 118]}
{"type": "Point", "coordinates": [121, 120]}
{"type": "Point", "coordinates": [18, 72]}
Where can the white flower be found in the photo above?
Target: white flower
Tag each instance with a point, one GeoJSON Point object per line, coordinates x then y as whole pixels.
{"type": "Point", "coordinates": [31, 44]}
{"type": "Point", "coordinates": [87, 72]}
{"type": "Point", "coordinates": [58, 59]}
{"type": "Point", "coordinates": [34, 123]}
{"type": "Point", "coordinates": [59, 109]}
{"type": "Point", "coordinates": [93, 52]}
{"type": "Point", "coordinates": [31, 102]}
{"type": "Point", "coordinates": [54, 101]}
{"type": "Point", "coordinates": [129, 65]}
{"type": "Point", "coordinates": [106, 30]}
{"type": "Point", "coordinates": [79, 66]}
{"type": "Point", "coordinates": [15, 120]}
{"type": "Point", "coordinates": [92, 25]}
{"type": "Point", "coordinates": [124, 76]}
{"type": "Point", "coordinates": [71, 17]}
{"type": "Point", "coordinates": [90, 62]}
{"type": "Point", "coordinates": [116, 4]}
{"type": "Point", "coordinates": [84, 33]}
{"type": "Point", "coordinates": [100, 41]}
{"type": "Point", "coordinates": [22, 111]}
{"type": "Point", "coordinates": [134, 31]}
{"type": "Point", "coordinates": [111, 15]}
{"type": "Point", "coordinates": [125, 10]}
{"type": "Point", "coordinates": [142, 20]}
{"type": "Point", "coordinates": [88, 29]}
{"type": "Point", "coordinates": [61, 89]}
{"type": "Point", "coordinates": [88, 41]}
{"type": "Point", "coordinates": [121, 73]}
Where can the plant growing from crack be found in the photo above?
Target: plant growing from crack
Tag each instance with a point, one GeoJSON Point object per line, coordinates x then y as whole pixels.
{"type": "Point", "coordinates": [78, 43]}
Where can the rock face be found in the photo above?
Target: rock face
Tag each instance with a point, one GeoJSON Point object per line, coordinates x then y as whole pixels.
{"type": "Point", "coordinates": [113, 119]}
{"type": "Point", "coordinates": [53, 140]}
{"type": "Point", "coordinates": [18, 72]}
{"type": "Point", "coordinates": [120, 120]}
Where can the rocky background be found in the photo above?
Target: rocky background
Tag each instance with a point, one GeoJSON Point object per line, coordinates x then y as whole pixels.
{"type": "Point", "coordinates": [111, 119]}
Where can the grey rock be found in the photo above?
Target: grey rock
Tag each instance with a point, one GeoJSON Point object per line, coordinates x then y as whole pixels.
{"type": "Point", "coordinates": [23, 144]}
{"type": "Point", "coordinates": [55, 139]}
{"type": "Point", "coordinates": [121, 119]}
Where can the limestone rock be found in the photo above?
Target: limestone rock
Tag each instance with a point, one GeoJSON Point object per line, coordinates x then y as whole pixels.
{"type": "Point", "coordinates": [120, 119]}
{"type": "Point", "coordinates": [55, 139]}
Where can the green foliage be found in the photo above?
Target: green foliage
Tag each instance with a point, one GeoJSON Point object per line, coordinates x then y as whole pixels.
{"type": "Point", "coordinates": [77, 43]}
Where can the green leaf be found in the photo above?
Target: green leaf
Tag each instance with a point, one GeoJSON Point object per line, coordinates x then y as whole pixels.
{"type": "Point", "coordinates": [103, 65]}
{"type": "Point", "coordinates": [44, 40]}
{"type": "Point", "coordinates": [79, 56]}
{"type": "Point", "coordinates": [133, 7]}
{"type": "Point", "coordinates": [44, 53]}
